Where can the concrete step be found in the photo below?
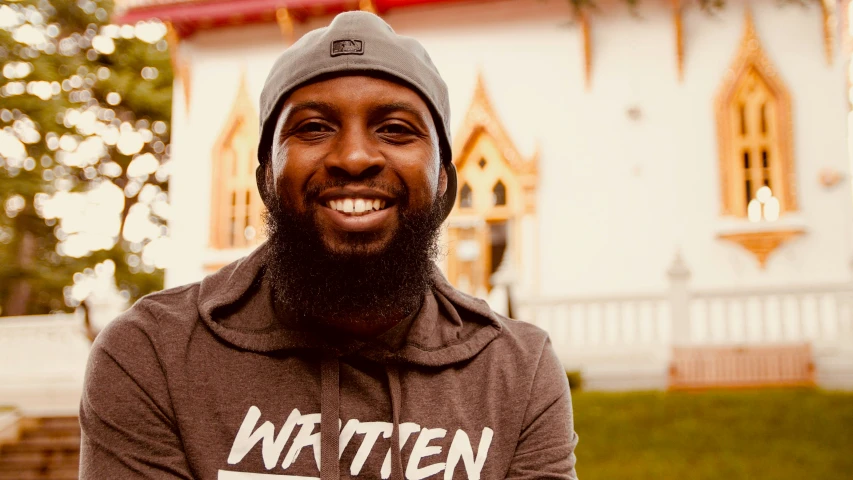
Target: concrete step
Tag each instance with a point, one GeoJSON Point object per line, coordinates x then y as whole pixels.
{"type": "Point", "coordinates": [64, 474]}
{"type": "Point", "coordinates": [48, 449]}
{"type": "Point", "coordinates": [54, 433]}
{"type": "Point", "coordinates": [64, 444]}
{"type": "Point", "coordinates": [59, 423]}
{"type": "Point", "coordinates": [37, 461]}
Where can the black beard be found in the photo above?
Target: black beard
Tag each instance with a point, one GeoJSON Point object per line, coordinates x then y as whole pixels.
{"type": "Point", "coordinates": [359, 287]}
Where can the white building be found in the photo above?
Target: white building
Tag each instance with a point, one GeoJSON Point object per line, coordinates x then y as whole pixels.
{"type": "Point", "coordinates": [610, 161]}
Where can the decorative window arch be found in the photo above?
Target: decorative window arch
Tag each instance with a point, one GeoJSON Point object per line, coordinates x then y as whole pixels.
{"type": "Point", "coordinates": [466, 196]}
{"type": "Point", "coordinates": [499, 194]}
{"type": "Point", "coordinates": [236, 204]}
{"type": "Point", "coordinates": [496, 190]}
{"type": "Point", "coordinates": [754, 130]}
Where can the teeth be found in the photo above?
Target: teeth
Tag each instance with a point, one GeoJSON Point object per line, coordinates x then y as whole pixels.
{"type": "Point", "coordinates": [356, 206]}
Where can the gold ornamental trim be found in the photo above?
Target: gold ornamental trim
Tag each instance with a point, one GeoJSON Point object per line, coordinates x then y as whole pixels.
{"type": "Point", "coordinates": [762, 244]}
{"type": "Point", "coordinates": [482, 119]}
{"type": "Point", "coordinates": [285, 24]}
{"type": "Point", "coordinates": [586, 37]}
{"type": "Point", "coordinates": [830, 18]}
{"type": "Point", "coordinates": [678, 24]}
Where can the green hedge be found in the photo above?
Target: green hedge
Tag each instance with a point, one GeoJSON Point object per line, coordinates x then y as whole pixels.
{"type": "Point", "coordinates": [732, 435]}
{"type": "Point", "coordinates": [575, 380]}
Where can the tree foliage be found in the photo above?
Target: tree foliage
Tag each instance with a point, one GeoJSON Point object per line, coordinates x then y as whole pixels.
{"type": "Point", "coordinates": [84, 112]}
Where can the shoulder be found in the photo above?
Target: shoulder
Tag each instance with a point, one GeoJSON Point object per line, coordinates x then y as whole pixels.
{"type": "Point", "coordinates": [525, 339]}
{"type": "Point", "coordinates": [157, 315]}
{"type": "Point", "coordinates": [521, 331]}
{"type": "Point", "coordinates": [536, 360]}
{"type": "Point", "coordinates": [533, 352]}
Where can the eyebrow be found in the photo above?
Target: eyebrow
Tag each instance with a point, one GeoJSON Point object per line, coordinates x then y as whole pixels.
{"type": "Point", "coordinates": [323, 107]}
{"type": "Point", "coordinates": [387, 108]}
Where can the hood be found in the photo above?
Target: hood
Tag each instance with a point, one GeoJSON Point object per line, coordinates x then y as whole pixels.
{"type": "Point", "coordinates": [236, 303]}
{"type": "Point", "coordinates": [450, 327]}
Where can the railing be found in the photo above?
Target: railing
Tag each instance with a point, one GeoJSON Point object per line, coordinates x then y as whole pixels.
{"type": "Point", "coordinates": [819, 314]}
{"type": "Point", "coordinates": [610, 326]}
{"type": "Point", "coordinates": [602, 322]}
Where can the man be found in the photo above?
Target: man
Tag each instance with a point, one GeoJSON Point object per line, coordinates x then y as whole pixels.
{"type": "Point", "coordinates": [336, 349]}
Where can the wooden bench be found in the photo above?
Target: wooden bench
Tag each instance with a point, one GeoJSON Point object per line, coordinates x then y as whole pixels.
{"type": "Point", "coordinates": [741, 367]}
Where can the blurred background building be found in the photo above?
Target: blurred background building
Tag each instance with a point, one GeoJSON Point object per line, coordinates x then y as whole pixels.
{"type": "Point", "coordinates": [630, 177]}
{"type": "Point", "coordinates": [664, 186]}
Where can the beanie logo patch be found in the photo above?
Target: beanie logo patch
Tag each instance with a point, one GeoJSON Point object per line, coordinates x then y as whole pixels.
{"type": "Point", "coordinates": [347, 47]}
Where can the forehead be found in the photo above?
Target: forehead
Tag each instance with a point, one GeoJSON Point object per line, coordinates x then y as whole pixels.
{"type": "Point", "coordinates": [358, 91]}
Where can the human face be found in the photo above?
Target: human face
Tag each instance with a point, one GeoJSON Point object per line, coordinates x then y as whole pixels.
{"type": "Point", "coordinates": [344, 146]}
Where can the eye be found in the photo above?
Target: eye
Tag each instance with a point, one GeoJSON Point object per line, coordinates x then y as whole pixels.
{"type": "Point", "coordinates": [396, 129]}
{"type": "Point", "coordinates": [313, 127]}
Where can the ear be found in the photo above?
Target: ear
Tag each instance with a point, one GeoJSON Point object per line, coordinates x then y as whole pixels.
{"type": "Point", "coordinates": [264, 178]}
{"type": "Point", "coordinates": [442, 180]}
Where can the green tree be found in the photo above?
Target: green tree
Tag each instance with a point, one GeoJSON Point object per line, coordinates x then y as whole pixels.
{"type": "Point", "coordinates": [84, 111]}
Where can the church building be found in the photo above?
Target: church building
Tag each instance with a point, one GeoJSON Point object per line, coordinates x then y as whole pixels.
{"type": "Point", "coordinates": [644, 180]}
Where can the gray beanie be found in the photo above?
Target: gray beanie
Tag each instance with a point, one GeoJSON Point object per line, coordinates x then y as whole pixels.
{"type": "Point", "coordinates": [357, 42]}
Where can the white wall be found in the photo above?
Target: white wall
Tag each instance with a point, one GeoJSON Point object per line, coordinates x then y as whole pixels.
{"type": "Point", "coordinates": [218, 61]}
{"type": "Point", "coordinates": [617, 197]}
{"type": "Point", "coordinates": [42, 363]}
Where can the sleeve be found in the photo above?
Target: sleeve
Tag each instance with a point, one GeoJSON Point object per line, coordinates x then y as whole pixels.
{"type": "Point", "coordinates": [128, 431]}
{"type": "Point", "coordinates": [546, 447]}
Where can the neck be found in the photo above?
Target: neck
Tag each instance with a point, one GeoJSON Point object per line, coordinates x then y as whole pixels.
{"type": "Point", "coordinates": [359, 325]}
{"type": "Point", "coordinates": [363, 326]}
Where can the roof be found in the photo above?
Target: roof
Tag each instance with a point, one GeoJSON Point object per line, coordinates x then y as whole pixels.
{"type": "Point", "coordinates": [189, 16]}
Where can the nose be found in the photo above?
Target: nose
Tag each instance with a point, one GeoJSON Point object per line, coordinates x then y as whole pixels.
{"type": "Point", "coordinates": [356, 155]}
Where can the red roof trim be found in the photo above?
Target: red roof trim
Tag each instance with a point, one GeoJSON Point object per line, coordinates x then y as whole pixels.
{"type": "Point", "coordinates": [188, 17]}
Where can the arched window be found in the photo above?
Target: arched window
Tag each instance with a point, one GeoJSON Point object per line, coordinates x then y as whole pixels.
{"type": "Point", "coordinates": [756, 136]}
{"type": "Point", "coordinates": [236, 208]}
{"type": "Point", "coordinates": [754, 129]}
{"type": "Point", "coordinates": [499, 194]}
{"type": "Point", "coordinates": [466, 196]}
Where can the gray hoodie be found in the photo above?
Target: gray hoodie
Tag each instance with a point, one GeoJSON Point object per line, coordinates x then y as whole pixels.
{"type": "Point", "coordinates": [206, 381]}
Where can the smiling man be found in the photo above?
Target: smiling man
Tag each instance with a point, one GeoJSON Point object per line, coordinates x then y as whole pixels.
{"type": "Point", "coordinates": [336, 349]}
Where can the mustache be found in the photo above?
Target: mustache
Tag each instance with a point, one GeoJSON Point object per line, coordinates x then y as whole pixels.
{"type": "Point", "coordinates": [401, 193]}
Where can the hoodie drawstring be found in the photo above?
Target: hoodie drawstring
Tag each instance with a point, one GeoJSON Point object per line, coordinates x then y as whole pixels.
{"type": "Point", "coordinates": [396, 393]}
{"type": "Point", "coordinates": [330, 423]}
{"type": "Point", "coordinates": [330, 406]}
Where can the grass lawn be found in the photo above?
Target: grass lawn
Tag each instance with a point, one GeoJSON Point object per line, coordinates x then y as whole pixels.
{"type": "Point", "coordinates": [755, 435]}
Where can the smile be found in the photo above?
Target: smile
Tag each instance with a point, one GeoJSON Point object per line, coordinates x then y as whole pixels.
{"type": "Point", "coordinates": [359, 214]}
{"type": "Point", "coordinates": [356, 206]}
